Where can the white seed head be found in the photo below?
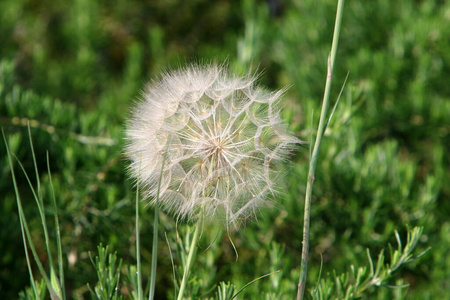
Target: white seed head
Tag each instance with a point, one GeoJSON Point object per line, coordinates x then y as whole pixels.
{"type": "Point", "coordinates": [212, 143]}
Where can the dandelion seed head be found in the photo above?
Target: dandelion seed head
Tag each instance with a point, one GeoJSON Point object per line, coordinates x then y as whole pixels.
{"type": "Point", "coordinates": [214, 141]}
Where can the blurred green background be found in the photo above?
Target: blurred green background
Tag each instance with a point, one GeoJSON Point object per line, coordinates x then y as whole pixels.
{"type": "Point", "coordinates": [73, 68]}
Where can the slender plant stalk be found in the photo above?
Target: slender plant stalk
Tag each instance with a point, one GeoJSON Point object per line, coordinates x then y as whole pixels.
{"type": "Point", "coordinates": [40, 204]}
{"type": "Point", "coordinates": [22, 227]}
{"type": "Point", "coordinates": [26, 235]}
{"type": "Point", "coordinates": [41, 201]}
{"type": "Point", "coordinates": [315, 153]}
{"type": "Point", "coordinates": [151, 293]}
{"type": "Point", "coordinates": [59, 284]}
{"type": "Point", "coordinates": [58, 233]}
{"type": "Point", "coordinates": [138, 247]}
{"type": "Point", "coordinates": [192, 251]}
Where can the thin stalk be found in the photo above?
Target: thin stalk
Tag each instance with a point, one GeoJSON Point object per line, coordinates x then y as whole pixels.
{"type": "Point", "coordinates": [138, 247]}
{"type": "Point", "coordinates": [40, 203]}
{"type": "Point", "coordinates": [22, 227]}
{"type": "Point", "coordinates": [26, 235]}
{"type": "Point", "coordinates": [316, 151]}
{"type": "Point", "coordinates": [58, 233]}
{"type": "Point", "coordinates": [151, 293]}
{"type": "Point", "coordinates": [192, 251]}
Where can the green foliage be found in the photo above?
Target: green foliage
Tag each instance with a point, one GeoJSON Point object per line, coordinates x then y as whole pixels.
{"type": "Point", "coordinates": [108, 273]}
{"type": "Point", "coordinates": [225, 291]}
{"type": "Point", "coordinates": [70, 70]}
{"type": "Point", "coordinates": [54, 285]}
{"type": "Point", "coordinates": [354, 284]}
{"type": "Point", "coordinates": [81, 164]}
{"type": "Point", "coordinates": [28, 293]}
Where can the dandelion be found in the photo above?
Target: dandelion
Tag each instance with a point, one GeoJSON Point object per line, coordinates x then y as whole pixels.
{"type": "Point", "coordinates": [210, 144]}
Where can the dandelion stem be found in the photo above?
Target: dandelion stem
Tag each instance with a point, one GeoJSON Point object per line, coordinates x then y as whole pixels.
{"type": "Point", "coordinates": [316, 151]}
{"type": "Point", "coordinates": [192, 251]}
{"type": "Point", "coordinates": [138, 247]}
{"type": "Point", "coordinates": [151, 293]}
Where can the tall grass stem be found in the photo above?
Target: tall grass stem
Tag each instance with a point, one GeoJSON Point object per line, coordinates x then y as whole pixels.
{"type": "Point", "coordinates": [151, 293]}
{"type": "Point", "coordinates": [192, 251]}
{"type": "Point", "coordinates": [58, 232]}
{"type": "Point", "coordinates": [22, 227]}
{"type": "Point", "coordinates": [316, 151]}
{"type": "Point", "coordinates": [40, 202]}
{"type": "Point", "coordinates": [138, 247]}
{"type": "Point", "coordinates": [26, 235]}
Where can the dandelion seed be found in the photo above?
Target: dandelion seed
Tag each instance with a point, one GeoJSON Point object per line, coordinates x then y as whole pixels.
{"type": "Point", "coordinates": [216, 139]}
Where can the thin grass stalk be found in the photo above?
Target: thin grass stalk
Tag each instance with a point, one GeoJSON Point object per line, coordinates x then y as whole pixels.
{"type": "Point", "coordinates": [40, 202]}
{"type": "Point", "coordinates": [23, 225]}
{"type": "Point", "coordinates": [192, 251]}
{"type": "Point", "coordinates": [50, 287]}
{"type": "Point", "coordinates": [22, 228]}
{"type": "Point", "coordinates": [138, 247]}
{"type": "Point", "coordinates": [253, 281]}
{"type": "Point", "coordinates": [58, 232]}
{"type": "Point", "coordinates": [316, 151]}
{"type": "Point", "coordinates": [151, 293]}
{"type": "Point", "coordinates": [173, 265]}
{"type": "Point", "coordinates": [26, 235]}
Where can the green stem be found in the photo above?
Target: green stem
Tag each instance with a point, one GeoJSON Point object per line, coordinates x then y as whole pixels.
{"type": "Point", "coordinates": [151, 293]}
{"type": "Point", "coordinates": [58, 232]}
{"type": "Point", "coordinates": [40, 202]}
{"type": "Point", "coordinates": [138, 248]}
{"type": "Point", "coordinates": [26, 235]}
{"type": "Point", "coordinates": [316, 151]}
{"type": "Point", "coordinates": [192, 251]}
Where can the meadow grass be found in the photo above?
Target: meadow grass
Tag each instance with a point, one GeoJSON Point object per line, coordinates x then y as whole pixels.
{"type": "Point", "coordinates": [69, 72]}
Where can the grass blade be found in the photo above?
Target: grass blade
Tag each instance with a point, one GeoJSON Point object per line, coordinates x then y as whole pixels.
{"type": "Point", "coordinates": [58, 232]}
{"type": "Point", "coordinates": [26, 235]}
{"type": "Point", "coordinates": [40, 203]}
{"type": "Point", "coordinates": [19, 207]}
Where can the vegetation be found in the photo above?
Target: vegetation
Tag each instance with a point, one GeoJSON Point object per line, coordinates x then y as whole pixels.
{"type": "Point", "coordinates": [69, 71]}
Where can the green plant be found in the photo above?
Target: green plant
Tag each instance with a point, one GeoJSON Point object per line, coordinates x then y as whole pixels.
{"type": "Point", "coordinates": [70, 69]}
{"type": "Point", "coordinates": [108, 273]}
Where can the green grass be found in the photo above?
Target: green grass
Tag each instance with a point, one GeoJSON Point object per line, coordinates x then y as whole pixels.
{"type": "Point", "coordinates": [72, 69]}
